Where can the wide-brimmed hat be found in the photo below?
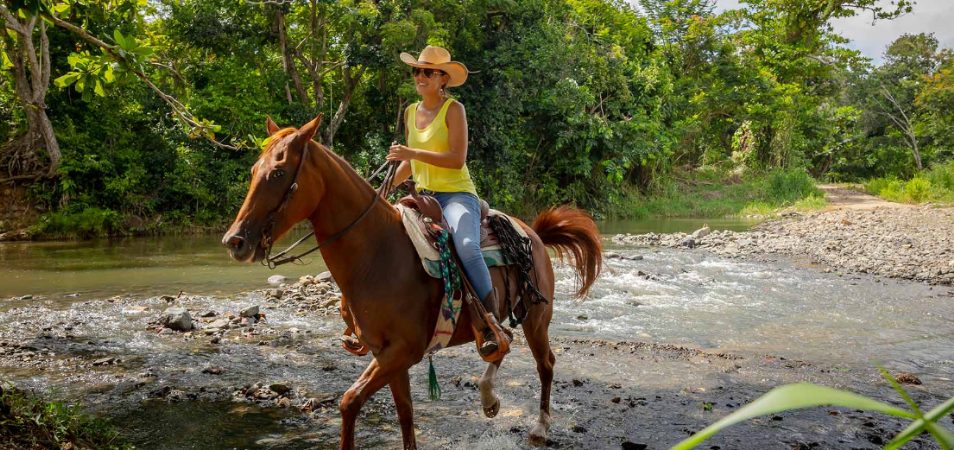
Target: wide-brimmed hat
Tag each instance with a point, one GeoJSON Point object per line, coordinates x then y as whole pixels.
{"type": "Point", "coordinates": [438, 58]}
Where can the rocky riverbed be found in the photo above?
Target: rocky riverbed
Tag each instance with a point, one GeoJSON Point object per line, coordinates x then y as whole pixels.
{"type": "Point", "coordinates": [913, 243]}
{"type": "Point", "coordinates": [263, 369]}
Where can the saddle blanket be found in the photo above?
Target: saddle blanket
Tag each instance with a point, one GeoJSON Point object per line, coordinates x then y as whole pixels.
{"type": "Point", "coordinates": [430, 259]}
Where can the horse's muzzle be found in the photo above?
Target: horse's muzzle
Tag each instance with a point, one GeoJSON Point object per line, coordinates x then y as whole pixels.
{"type": "Point", "coordinates": [240, 248]}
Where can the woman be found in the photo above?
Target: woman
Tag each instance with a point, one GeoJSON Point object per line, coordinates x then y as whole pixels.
{"type": "Point", "coordinates": [435, 156]}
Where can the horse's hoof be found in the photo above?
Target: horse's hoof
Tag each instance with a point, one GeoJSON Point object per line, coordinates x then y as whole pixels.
{"type": "Point", "coordinates": [353, 346]}
{"type": "Point", "coordinates": [492, 410]}
{"type": "Point", "coordinates": [537, 440]}
{"type": "Point", "coordinates": [538, 436]}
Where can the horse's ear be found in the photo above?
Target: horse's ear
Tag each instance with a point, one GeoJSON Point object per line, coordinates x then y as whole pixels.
{"type": "Point", "coordinates": [308, 130]}
{"type": "Point", "coordinates": [270, 125]}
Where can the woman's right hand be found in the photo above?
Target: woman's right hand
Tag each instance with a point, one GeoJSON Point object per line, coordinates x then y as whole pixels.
{"type": "Point", "coordinates": [399, 152]}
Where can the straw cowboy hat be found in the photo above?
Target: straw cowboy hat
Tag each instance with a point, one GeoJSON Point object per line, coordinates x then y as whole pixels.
{"type": "Point", "coordinates": [438, 58]}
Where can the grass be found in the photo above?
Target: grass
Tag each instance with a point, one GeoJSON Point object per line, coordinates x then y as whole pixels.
{"type": "Point", "coordinates": [935, 185]}
{"type": "Point", "coordinates": [712, 194]}
{"type": "Point", "coordinates": [29, 421]}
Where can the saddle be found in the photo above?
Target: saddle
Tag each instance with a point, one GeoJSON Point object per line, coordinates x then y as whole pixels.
{"type": "Point", "coordinates": [424, 222]}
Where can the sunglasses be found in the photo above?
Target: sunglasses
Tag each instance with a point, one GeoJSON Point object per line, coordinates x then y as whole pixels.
{"type": "Point", "coordinates": [427, 72]}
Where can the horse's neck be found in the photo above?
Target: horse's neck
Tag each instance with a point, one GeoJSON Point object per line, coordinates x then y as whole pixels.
{"type": "Point", "coordinates": [346, 197]}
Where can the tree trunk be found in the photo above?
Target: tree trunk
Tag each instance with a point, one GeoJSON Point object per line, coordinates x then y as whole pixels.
{"type": "Point", "coordinates": [31, 74]}
{"type": "Point", "coordinates": [288, 63]}
{"type": "Point", "coordinates": [351, 82]}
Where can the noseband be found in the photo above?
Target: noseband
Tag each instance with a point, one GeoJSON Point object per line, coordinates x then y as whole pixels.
{"type": "Point", "coordinates": [280, 258]}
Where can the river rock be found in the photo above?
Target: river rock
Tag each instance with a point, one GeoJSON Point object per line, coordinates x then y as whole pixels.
{"type": "Point", "coordinates": [135, 310]}
{"type": "Point", "coordinates": [701, 233]}
{"type": "Point", "coordinates": [324, 277]}
{"type": "Point", "coordinates": [251, 311]}
{"type": "Point", "coordinates": [279, 388]}
{"type": "Point", "coordinates": [219, 324]}
{"type": "Point", "coordinates": [213, 370]}
{"type": "Point", "coordinates": [276, 280]}
{"type": "Point", "coordinates": [208, 313]}
{"type": "Point", "coordinates": [907, 378]}
{"type": "Point", "coordinates": [177, 319]}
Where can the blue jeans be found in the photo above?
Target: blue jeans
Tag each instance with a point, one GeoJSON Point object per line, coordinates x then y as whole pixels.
{"type": "Point", "coordinates": [462, 213]}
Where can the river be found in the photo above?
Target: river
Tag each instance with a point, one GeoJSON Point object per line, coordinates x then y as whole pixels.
{"type": "Point", "coordinates": [667, 296]}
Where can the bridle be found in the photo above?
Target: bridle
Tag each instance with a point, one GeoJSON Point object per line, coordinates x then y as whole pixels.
{"type": "Point", "coordinates": [274, 261]}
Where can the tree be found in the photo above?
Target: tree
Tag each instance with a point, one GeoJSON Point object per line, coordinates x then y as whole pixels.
{"type": "Point", "coordinates": [28, 51]}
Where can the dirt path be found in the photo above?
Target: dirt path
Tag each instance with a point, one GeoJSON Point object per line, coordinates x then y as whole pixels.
{"type": "Point", "coordinates": [840, 197]}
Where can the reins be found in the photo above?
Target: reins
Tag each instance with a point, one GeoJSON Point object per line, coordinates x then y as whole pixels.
{"type": "Point", "coordinates": [274, 261]}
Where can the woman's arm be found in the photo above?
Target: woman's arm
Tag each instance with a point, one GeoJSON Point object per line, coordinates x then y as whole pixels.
{"type": "Point", "coordinates": [403, 171]}
{"type": "Point", "coordinates": [456, 155]}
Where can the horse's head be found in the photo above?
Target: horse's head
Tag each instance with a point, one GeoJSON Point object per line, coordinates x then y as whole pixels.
{"type": "Point", "coordinates": [274, 203]}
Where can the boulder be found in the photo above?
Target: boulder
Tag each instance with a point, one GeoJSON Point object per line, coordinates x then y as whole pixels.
{"type": "Point", "coordinates": [276, 280]}
{"type": "Point", "coordinates": [702, 232]}
{"type": "Point", "coordinates": [177, 319]}
{"type": "Point", "coordinates": [251, 311]}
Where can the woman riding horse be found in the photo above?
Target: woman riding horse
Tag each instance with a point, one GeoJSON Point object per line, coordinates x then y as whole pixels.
{"type": "Point", "coordinates": [387, 297]}
{"type": "Point", "coordinates": [436, 158]}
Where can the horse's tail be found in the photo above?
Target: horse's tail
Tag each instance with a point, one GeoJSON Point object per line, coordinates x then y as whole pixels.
{"type": "Point", "coordinates": [572, 231]}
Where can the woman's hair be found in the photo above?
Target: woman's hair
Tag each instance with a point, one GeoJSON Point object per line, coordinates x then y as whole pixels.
{"type": "Point", "coordinates": [444, 92]}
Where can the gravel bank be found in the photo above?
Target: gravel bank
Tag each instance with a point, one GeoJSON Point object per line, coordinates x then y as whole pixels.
{"type": "Point", "coordinates": [915, 243]}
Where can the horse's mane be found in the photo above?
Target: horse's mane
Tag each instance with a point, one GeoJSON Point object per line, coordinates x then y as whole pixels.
{"type": "Point", "coordinates": [345, 165]}
{"type": "Point", "coordinates": [270, 141]}
{"type": "Point", "coordinates": [318, 148]}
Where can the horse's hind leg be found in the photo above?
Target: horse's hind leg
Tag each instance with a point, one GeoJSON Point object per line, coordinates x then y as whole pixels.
{"type": "Point", "coordinates": [488, 399]}
{"type": "Point", "coordinates": [539, 341]}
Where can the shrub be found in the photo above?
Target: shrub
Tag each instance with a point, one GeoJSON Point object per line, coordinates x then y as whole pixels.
{"type": "Point", "coordinates": [87, 223]}
{"type": "Point", "coordinates": [942, 176]}
{"type": "Point", "coordinates": [917, 190]}
{"type": "Point", "coordinates": [28, 421]}
{"type": "Point", "coordinates": [784, 186]}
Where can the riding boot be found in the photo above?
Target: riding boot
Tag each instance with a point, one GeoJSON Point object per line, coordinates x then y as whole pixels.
{"type": "Point", "coordinates": [490, 344]}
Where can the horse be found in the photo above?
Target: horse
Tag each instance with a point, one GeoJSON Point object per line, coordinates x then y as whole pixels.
{"type": "Point", "coordinates": [388, 299]}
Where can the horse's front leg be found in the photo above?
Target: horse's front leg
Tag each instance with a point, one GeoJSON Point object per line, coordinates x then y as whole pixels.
{"type": "Point", "coordinates": [488, 399]}
{"type": "Point", "coordinates": [401, 392]}
{"type": "Point", "coordinates": [383, 368]}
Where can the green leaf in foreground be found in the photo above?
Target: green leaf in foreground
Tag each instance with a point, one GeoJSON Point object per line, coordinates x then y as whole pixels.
{"type": "Point", "coordinates": [790, 397]}
{"type": "Point", "coordinates": [944, 437]}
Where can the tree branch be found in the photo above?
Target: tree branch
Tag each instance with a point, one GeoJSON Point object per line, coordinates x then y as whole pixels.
{"type": "Point", "coordinates": [180, 110]}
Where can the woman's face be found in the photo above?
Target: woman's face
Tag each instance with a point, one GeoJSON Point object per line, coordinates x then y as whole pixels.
{"type": "Point", "coordinates": [429, 81]}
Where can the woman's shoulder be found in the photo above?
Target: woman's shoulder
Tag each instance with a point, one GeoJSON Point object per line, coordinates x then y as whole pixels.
{"type": "Point", "coordinates": [456, 106]}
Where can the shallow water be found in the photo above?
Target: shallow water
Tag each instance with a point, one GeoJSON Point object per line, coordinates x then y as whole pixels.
{"type": "Point", "coordinates": [702, 300]}
{"type": "Point", "coordinates": [669, 296]}
{"type": "Point", "coordinates": [141, 266]}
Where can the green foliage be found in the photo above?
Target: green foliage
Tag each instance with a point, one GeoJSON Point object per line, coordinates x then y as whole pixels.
{"type": "Point", "coordinates": [788, 186]}
{"type": "Point", "coordinates": [936, 185]}
{"type": "Point", "coordinates": [804, 395]}
{"type": "Point", "coordinates": [87, 223]}
{"type": "Point", "coordinates": [588, 102]}
{"type": "Point", "coordinates": [29, 421]}
{"type": "Point", "coordinates": [718, 194]}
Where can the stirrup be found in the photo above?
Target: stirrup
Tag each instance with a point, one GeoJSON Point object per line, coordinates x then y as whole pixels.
{"type": "Point", "coordinates": [490, 344]}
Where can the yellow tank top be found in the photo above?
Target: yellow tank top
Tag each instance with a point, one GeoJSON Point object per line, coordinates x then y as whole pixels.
{"type": "Point", "coordinates": [435, 138]}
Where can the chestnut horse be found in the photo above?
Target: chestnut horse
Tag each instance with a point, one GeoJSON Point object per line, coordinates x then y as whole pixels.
{"type": "Point", "coordinates": [388, 299]}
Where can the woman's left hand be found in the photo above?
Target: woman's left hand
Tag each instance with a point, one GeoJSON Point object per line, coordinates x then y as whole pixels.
{"type": "Point", "coordinates": [399, 152]}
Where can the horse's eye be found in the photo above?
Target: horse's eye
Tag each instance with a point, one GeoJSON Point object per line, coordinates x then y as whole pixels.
{"type": "Point", "coordinates": [276, 174]}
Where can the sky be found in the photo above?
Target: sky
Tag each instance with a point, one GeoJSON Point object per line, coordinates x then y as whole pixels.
{"type": "Point", "coordinates": [929, 16]}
